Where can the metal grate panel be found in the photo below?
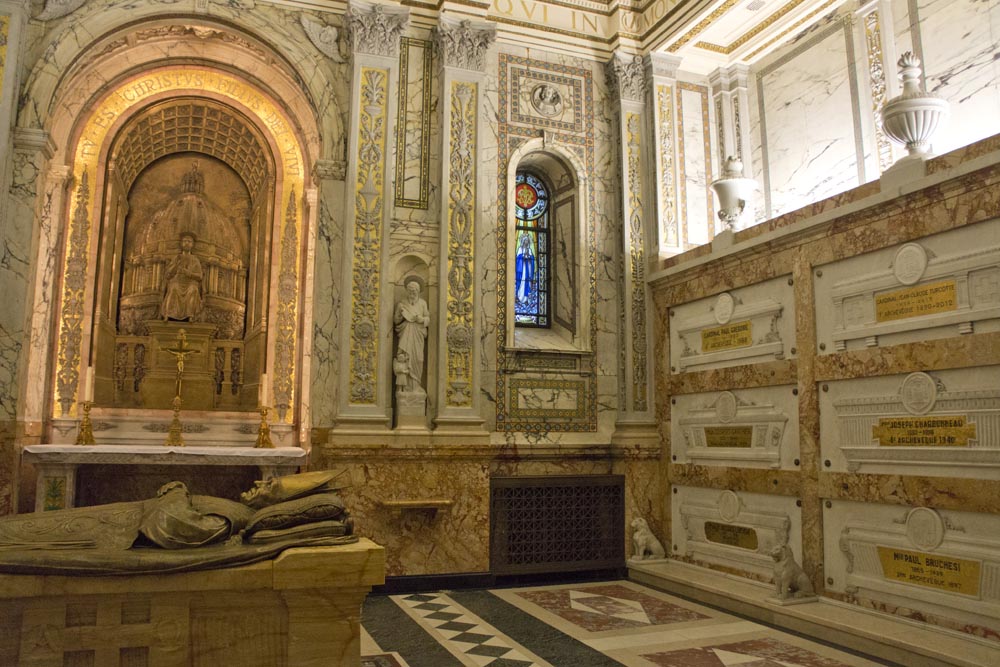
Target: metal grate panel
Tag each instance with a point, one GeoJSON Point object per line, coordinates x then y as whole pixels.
{"type": "Point", "coordinates": [556, 524]}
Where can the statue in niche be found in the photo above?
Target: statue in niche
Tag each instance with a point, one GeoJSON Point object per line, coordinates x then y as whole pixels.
{"type": "Point", "coordinates": [183, 284]}
{"type": "Point", "coordinates": [401, 369]}
{"type": "Point", "coordinates": [412, 319]}
{"type": "Point", "coordinates": [177, 531]}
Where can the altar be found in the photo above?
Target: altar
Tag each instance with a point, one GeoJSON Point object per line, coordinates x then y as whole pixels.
{"type": "Point", "coordinates": [301, 609]}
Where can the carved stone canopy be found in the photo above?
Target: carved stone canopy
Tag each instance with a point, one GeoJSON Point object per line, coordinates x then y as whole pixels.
{"type": "Point", "coordinates": [375, 29]}
{"type": "Point", "coordinates": [463, 43]}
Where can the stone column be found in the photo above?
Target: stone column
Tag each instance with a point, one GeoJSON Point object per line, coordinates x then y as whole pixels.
{"type": "Point", "coordinates": [374, 32]}
{"type": "Point", "coordinates": [662, 72]}
{"type": "Point", "coordinates": [462, 47]}
{"type": "Point", "coordinates": [732, 114]}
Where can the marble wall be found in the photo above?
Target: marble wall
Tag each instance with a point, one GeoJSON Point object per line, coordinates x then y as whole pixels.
{"type": "Point", "coordinates": [895, 428]}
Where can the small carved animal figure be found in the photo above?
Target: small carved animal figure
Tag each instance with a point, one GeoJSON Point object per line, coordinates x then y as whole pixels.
{"type": "Point", "coordinates": [789, 578]}
{"type": "Point", "coordinates": [646, 544]}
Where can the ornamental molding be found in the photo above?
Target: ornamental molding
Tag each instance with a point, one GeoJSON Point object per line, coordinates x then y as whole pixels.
{"type": "Point", "coordinates": [626, 76]}
{"type": "Point", "coordinates": [375, 29]}
{"type": "Point", "coordinates": [463, 43]}
{"type": "Point", "coordinates": [663, 65]}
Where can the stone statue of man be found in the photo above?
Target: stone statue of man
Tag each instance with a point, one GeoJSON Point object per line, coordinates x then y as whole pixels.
{"type": "Point", "coordinates": [182, 294]}
{"type": "Point", "coordinates": [412, 318]}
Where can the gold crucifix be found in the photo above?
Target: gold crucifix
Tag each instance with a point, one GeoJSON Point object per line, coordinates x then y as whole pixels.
{"type": "Point", "coordinates": [175, 436]}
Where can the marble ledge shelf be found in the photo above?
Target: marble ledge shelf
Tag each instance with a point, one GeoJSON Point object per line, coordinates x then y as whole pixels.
{"type": "Point", "coordinates": [164, 455]}
{"type": "Point", "coordinates": [430, 504]}
{"type": "Point", "coordinates": [900, 640]}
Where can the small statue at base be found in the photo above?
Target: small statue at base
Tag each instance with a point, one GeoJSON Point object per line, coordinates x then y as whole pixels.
{"type": "Point", "coordinates": [790, 580]}
{"type": "Point", "coordinates": [647, 547]}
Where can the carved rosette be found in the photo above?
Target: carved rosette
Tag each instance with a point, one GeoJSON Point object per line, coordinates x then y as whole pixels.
{"type": "Point", "coordinates": [633, 130]}
{"type": "Point", "coordinates": [627, 77]}
{"type": "Point", "coordinates": [73, 300]}
{"type": "Point", "coordinates": [369, 206]}
{"type": "Point", "coordinates": [461, 215]}
{"type": "Point", "coordinates": [375, 29]}
{"type": "Point", "coordinates": [463, 43]}
{"type": "Point", "coordinates": [288, 280]}
{"type": "Point", "coordinates": [668, 217]}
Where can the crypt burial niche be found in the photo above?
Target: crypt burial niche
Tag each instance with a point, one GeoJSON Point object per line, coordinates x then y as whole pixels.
{"type": "Point", "coordinates": [184, 243]}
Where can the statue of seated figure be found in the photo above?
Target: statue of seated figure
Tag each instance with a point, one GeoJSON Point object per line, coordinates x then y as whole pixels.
{"type": "Point", "coordinates": [177, 532]}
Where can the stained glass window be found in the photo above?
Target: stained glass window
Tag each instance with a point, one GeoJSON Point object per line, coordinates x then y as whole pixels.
{"type": "Point", "coordinates": [532, 259]}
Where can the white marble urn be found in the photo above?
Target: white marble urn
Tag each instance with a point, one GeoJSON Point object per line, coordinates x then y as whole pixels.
{"type": "Point", "coordinates": [734, 193]}
{"type": "Point", "coordinates": [913, 117]}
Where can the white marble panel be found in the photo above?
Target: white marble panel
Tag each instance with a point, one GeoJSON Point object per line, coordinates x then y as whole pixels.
{"type": "Point", "coordinates": [751, 324]}
{"type": "Point", "coordinates": [939, 286]}
{"type": "Point", "coordinates": [734, 530]}
{"type": "Point", "coordinates": [937, 563]}
{"type": "Point", "coordinates": [808, 124]}
{"type": "Point", "coordinates": [961, 52]}
{"type": "Point", "coordinates": [941, 423]}
{"type": "Point", "coordinates": [748, 428]}
{"type": "Point", "coordinates": [698, 220]}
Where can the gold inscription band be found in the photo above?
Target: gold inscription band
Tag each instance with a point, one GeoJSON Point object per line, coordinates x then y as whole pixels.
{"type": "Point", "coordinates": [927, 299]}
{"type": "Point", "coordinates": [729, 436]}
{"type": "Point", "coordinates": [727, 337]}
{"type": "Point", "coordinates": [741, 537]}
{"type": "Point", "coordinates": [954, 575]}
{"type": "Point", "coordinates": [935, 431]}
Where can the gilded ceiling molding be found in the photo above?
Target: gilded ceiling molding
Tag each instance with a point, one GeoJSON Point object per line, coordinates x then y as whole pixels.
{"type": "Point", "coordinates": [626, 77]}
{"type": "Point", "coordinates": [703, 24]}
{"type": "Point", "coordinates": [460, 331]}
{"type": "Point", "coordinates": [375, 29]}
{"type": "Point", "coordinates": [753, 32]}
{"type": "Point", "coordinates": [792, 28]}
{"type": "Point", "coordinates": [463, 43]}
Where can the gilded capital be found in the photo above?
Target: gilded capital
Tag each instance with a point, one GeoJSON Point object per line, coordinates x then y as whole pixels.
{"type": "Point", "coordinates": [375, 29]}
{"type": "Point", "coordinates": [626, 76]}
{"type": "Point", "coordinates": [463, 43]}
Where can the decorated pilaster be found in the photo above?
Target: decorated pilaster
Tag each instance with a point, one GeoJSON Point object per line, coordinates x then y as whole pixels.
{"type": "Point", "coordinates": [627, 80]}
{"type": "Point", "coordinates": [463, 47]}
{"type": "Point", "coordinates": [873, 37]}
{"type": "Point", "coordinates": [662, 72]}
{"type": "Point", "coordinates": [732, 114]}
{"type": "Point", "coordinates": [374, 32]}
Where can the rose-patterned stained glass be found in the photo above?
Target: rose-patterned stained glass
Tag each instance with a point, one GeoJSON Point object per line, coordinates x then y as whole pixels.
{"type": "Point", "coordinates": [532, 257]}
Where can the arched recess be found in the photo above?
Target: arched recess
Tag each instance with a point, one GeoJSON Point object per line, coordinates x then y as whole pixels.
{"type": "Point", "coordinates": [570, 285]}
{"type": "Point", "coordinates": [87, 110]}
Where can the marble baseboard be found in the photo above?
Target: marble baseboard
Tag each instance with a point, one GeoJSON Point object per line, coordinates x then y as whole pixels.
{"type": "Point", "coordinates": [901, 641]}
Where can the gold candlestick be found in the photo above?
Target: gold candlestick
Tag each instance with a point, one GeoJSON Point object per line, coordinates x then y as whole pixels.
{"type": "Point", "coordinates": [264, 431]}
{"type": "Point", "coordinates": [85, 436]}
{"type": "Point", "coordinates": [175, 436]}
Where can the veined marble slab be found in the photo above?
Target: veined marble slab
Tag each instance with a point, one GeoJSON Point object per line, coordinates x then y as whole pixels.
{"type": "Point", "coordinates": [734, 530]}
{"type": "Point", "coordinates": [937, 563]}
{"type": "Point", "coordinates": [940, 423]}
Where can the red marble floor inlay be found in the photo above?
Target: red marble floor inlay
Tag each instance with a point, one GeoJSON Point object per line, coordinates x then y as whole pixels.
{"type": "Point", "coordinates": [609, 607]}
{"type": "Point", "coordinates": [770, 653]}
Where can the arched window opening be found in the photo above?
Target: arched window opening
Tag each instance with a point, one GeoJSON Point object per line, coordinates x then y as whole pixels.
{"type": "Point", "coordinates": [532, 254]}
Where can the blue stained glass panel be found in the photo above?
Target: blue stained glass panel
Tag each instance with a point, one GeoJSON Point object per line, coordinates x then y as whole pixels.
{"type": "Point", "coordinates": [531, 252]}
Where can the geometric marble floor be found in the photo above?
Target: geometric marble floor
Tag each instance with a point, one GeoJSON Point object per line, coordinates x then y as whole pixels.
{"type": "Point", "coordinates": [603, 624]}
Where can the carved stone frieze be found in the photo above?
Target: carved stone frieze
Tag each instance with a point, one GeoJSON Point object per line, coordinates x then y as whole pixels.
{"type": "Point", "coordinates": [375, 29]}
{"type": "Point", "coordinates": [627, 77]}
{"type": "Point", "coordinates": [463, 43]}
{"type": "Point", "coordinates": [323, 36]}
{"type": "Point", "coordinates": [461, 214]}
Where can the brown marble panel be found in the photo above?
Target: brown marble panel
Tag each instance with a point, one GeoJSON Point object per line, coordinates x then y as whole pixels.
{"type": "Point", "coordinates": [920, 615]}
{"type": "Point", "coordinates": [774, 482]}
{"type": "Point", "coordinates": [769, 653]}
{"type": "Point", "coordinates": [948, 493]}
{"type": "Point", "coordinates": [964, 154]}
{"type": "Point", "coordinates": [968, 351]}
{"type": "Point", "coordinates": [767, 374]}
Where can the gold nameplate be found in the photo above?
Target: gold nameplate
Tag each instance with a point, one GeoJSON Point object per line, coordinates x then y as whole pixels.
{"type": "Point", "coordinates": [727, 337]}
{"type": "Point", "coordinates": [935, 431]}
{"type": "Point", "coordinates": [728, 436]}
{"type": "Point", "coordinates": [954, 575]}
{"type": "Point", "coordinates": [915, 301]}
{"type": "Point", "coordinates": [741, 537]}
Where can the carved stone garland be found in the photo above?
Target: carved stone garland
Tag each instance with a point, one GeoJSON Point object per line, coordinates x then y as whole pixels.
{"type": "Point", "coordinates": [368, 210]}
{"type": "Point", "coordinates": [633, 128]}
{"type": "Point", "coordinates": [74, 297]}
{"type": "Point", "coordinates": [461, 215]}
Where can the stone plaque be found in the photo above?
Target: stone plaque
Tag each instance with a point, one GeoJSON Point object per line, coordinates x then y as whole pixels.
{"type": "Point", "coordinates": [727, 337]}
{"type": "Point", "coordinates": [934, 431]}
{"type": "Point", "coordinates": [926, 299]}
{"type": "Point", "coordinates": [954, 575]}
{"type": "Point", "coordinates": [729, 436]}
{"type": "Point", "coordinates": [741, 537]}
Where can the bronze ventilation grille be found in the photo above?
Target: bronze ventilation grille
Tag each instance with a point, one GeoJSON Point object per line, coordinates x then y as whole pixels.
{"type": "Point", "coordinates": [556, 524]}
{"type": "Point", "coordinates": [193, 125]}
